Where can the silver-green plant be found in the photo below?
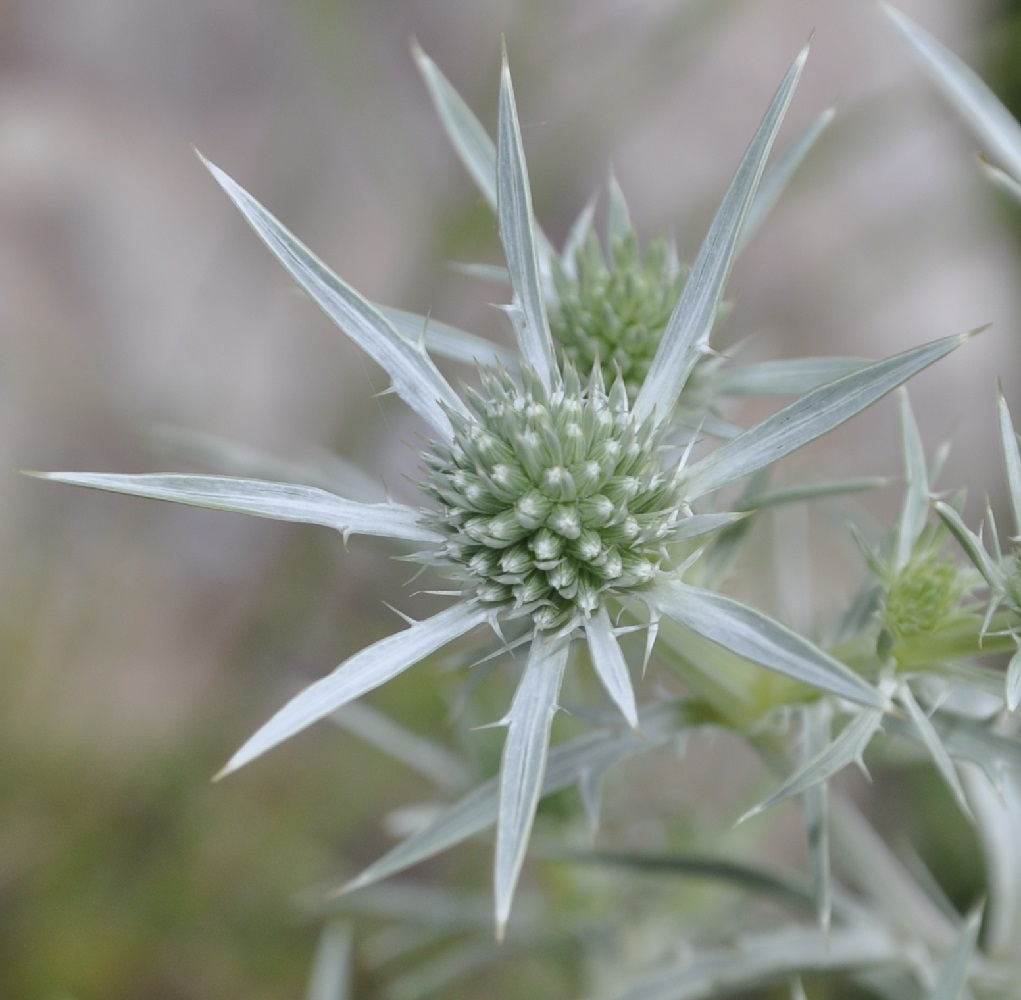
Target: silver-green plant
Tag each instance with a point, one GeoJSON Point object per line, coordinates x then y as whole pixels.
{"type": "Point", "coordinates": [562, 504]}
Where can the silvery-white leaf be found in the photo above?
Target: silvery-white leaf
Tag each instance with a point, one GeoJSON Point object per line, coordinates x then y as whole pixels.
{"type": "Point", "coordinates": [809, 491]}
{"type": "Point", "coordinates": [470, 140]}
{"type": "Point", "coordinates": [816, 720]}
{"type": "Point", "coordinates": [790, 892]}
{"type": "Point", "coordinates": [523, 764]}
{"type": "Point", "coordinates": [997, 809]}
{"type": "Point", "coordinates": [415, 378]}
{"type": "Point", "coordinates": [953, 974]}
{"type": "Point", "coordinates": [567, 763]}
{"type": "Point", "coordinates": [361, 673]}
{"type": "Point", "coordinates": [756, 637]}
{"type": "Point", "coordinates": [809, 417]}
{"type": "Point", "coordinates": [590, 790]}
{"type": "Point", "coordinates": [793, 377]}
{"type": "Point", "coordinates": [517, 222]}
{"type": "Point", "coordinates": [967, 739]}
{"type": "Point", "coordinates": [776, 179]}
{"type": "Point", "coordinates": [699, 525]}
{"type": "Point", "coordinates": [972, 545]}
{"type": "Point", "coordinates": [1013, 687]}
{"type": "Point", "coordinates": [495, 273]}
{"type": "Point", "coordinates": [879, 873]}
{"type": "Point", "coordinates": [465, 131]}
{"type": "Point", "coordinates": [1011, 457]}
{"type": "Point", "coordinates": [435, 976]}
{"type": "Point", "coordinates": [930, 738]}
{"type": "Point", "coordinates": [961, 85]}
{"type": "Point", "coordinates": [446, 341]}
{"type": "Point", "coordinates": [687, 331]}
{"type": "Point", "coordinates": [314, 466]}
{"type": "Point", "coordinates": [609, 664]}
{"type": "Point", "coordinates": [848, 748]}
{"type": "Point", "coordinates": [331, 974]}
{"type": "Point", "coordinates": [714, 972]}
{"type": "Point", "coordinates": [915, 508]}
{"type": "Point", "coordinates": [580, 231]}
{"type": "Point", "coordinates": [430, 759]}
{"type": "Point", "coordinates": [280, 501]}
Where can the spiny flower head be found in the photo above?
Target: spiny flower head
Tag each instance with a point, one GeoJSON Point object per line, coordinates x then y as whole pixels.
{"type": "Point", "coordinates": [926, 593]}
{"type": "Point", "coordinates": [551, 499]}
{"type": "Point", "coordinates": [614, 314]}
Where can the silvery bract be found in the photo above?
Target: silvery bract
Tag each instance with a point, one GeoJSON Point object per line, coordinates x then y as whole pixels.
{"type": "Point", "coordinates": [553, 498]}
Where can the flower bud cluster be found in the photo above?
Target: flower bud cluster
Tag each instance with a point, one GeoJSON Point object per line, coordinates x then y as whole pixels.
{"type": "Point", "coordinates": [550, 498]}
{"type": "Point", "coordinates": [615, 316]}
{"type": "Point", "coordinates": [926, 594]}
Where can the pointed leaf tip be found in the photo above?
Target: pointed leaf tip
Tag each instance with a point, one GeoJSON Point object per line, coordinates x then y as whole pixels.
{"type": "Point", "coordinates": [521, 244]}
{"type": "Point", "coordinates": [411, 371]}
{"type": "Point", "coordinates": [689, 327]}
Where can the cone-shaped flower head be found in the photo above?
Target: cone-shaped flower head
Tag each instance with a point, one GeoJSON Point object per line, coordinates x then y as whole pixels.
{"type": "Point", "coordinates": [551, 499]}
{"type": "Point", "coordinates": [614, 315]}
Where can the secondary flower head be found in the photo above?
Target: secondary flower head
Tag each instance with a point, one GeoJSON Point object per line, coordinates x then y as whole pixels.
{"type": "Point", "coordinates": [549, 498]}
{"type": "Point", "coordinates": [613, 314]}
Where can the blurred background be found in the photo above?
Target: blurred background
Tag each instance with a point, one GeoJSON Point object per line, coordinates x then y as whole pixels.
{"type": "Point", "coordinates": [139, 643]}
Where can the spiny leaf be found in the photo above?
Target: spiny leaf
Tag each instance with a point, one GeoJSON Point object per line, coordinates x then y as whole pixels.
{"type": "Point", "coordinates": [447, 341]}
{"type": "Point", "coordinates": [953, 975]}
{"type": "Point", "coordinates": [688, 328]}
{"type": "Point", "coordinates": [312, 466]}
{"type": "Point", "coordinates": [361, 673]}
{"type": "Point", "coordinates": [280, 501]}
{"type": "Point", "coordinates": [816, 720]}
{"type": "Point", "coordinates": [848, 748]}
{"type": "Point", "coordinates": [748, 878]}
{"type": "Point", "coordinates": [753, 635]}
{"type": "Point", "coordinates": [810, 417]}
{"type": "Point", "coordinates": [972, 545]}
{"type": "Point", "coordinates": [915, 509]}
{"type": "Point", "coordinates": [1011, 457]}
{"type": "Point", "coordinates": [523, 764]}
{"type": "Point", "coordinates": [610, 665]}
{"type": "Point", "coordinates": [715, 972]}
{"type": "Point", "coordinates": [1013, 686]}
{"type": "Point", "coordinates": [514, 209]}
{"type": "Point", "coordinates": [932, 742]}
{"type": "Point", "coordinates": [430, 759]}
{"type": "Point", "coordinates": [470, 140]}
{"type": "Point", "coordinates": [776, 179]}
{"type": "Point", "coordinates": [566, 764]}
{"type": "Point", "coordinates": [790, 377]}
{"type": "Point", "coordinates": [415, 378]}
{"type": "Point", "coordinates": [618, 218]}
{"type": "Point", "coordinates": [331, 974]}
{"type": "Point", "coordinates": [977, 104]}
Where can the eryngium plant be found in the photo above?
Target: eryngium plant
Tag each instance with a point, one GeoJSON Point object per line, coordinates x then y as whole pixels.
{"type": "Point", "coordinates": [556, 499]}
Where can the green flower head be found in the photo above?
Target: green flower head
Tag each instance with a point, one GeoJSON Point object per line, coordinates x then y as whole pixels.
{"type": "Point", "coordinates": [615, 314]}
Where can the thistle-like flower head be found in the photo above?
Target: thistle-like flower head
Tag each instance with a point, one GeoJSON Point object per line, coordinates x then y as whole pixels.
{"type": "Point", "coordinates": [614, 314]}
{"type": "Point", "coordinates": [552, 500]}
